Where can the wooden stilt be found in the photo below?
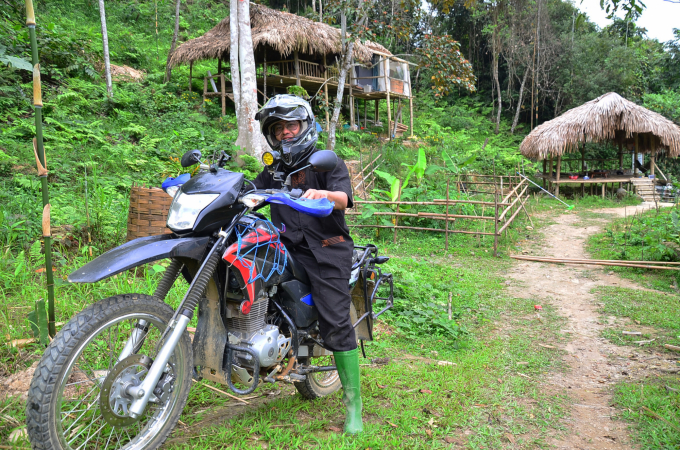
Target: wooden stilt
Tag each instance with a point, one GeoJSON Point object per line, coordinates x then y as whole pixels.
{"type": "Point", "coordinates": [386, 64]}
{"type": "Point", "coordinates": [621, 158]}
{"type": "Point", "coordinates": [264, 78]}
{"type": "Point", "coordinates": [652, 157]}
{"type": "Point", "coordinates": [635, 154]}
{"type": "Point", "coordinates": [223, 94]}
{"type": "Point", "coordinates": [351, 98]}
{"type": "Point", "coordinates": [376, 116]}
{"type": "Point", "coordinates": [297, 68]}
{"type": "Point", "coordinates": [191, 68]}
{"type": "Point", "coordinates": [325, 88]}
{"type": "Point", "coordinates": [410, 108]}
{"type": "Point", "coordinates": [603, 188]}
{"type": "Point", "coordinates": [557, 175]}
{"type": "Point", "coordinates": [545, 165]}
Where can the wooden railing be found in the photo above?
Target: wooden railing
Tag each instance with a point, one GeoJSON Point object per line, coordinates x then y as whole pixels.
{"type": "Point", "coordinates": [307, 69]}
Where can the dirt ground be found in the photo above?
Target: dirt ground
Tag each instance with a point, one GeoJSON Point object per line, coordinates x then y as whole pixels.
{"type": "Point", "coordinates": [595, 364]}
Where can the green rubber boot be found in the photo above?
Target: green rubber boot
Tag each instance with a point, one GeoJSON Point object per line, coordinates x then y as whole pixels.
{"type": "Point", "coordinates": [348, 370]}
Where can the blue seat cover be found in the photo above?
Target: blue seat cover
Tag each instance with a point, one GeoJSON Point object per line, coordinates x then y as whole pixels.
{"type": "Point", "coordinates": [315, 208]}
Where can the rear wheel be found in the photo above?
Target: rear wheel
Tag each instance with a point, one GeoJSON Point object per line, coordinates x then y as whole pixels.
{"type": "Point", "coordinates": [78, 396]}
{"type": "Point", "coordinates": [319, 384]}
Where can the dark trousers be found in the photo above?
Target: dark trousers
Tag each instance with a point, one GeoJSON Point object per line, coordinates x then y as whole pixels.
{"type": "Point", "coordinates": [330, 293]}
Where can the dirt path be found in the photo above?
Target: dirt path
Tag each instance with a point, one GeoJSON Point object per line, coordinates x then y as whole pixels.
{"type": "Point", "coordinates": [595, 364]}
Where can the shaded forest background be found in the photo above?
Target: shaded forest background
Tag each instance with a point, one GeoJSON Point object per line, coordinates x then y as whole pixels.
{"type": "Point", "coordinates": [533, 60]}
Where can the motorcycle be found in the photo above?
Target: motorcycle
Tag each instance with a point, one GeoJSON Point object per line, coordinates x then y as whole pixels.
{"type": "Point", "coordinates": [119, 372]}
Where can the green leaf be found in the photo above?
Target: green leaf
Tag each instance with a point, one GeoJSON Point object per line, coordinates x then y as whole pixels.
{"type": "Point", "coordinates": [17, 63]}
{"type": "Point", "coordinates": [386, 176]}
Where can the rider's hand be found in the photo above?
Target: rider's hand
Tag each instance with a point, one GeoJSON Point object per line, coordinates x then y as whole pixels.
{"type": "Point", "coordinates": [314, 194]}
{"type": "Point", "coordinates": [339, 197]}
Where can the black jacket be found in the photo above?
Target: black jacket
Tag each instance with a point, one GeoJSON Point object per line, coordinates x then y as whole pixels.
{"type": "Point", "coordinates": [327, 237]}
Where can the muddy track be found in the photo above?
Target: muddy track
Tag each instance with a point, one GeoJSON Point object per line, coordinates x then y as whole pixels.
{"type": "Point", "coordinates": [595, 364]}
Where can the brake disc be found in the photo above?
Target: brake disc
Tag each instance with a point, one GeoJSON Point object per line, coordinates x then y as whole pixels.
{"type": "Point", "coordinates": [114, 402]}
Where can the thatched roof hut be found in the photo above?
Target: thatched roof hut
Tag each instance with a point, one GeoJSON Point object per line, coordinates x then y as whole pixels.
{"type": "Point", "coordinates": [277, 33]}
{"type": "Point", "coordinates": [608, 117]}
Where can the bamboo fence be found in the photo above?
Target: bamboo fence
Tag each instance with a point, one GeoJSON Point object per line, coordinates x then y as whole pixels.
{"type": "Point", "coordinates": [509, 194]}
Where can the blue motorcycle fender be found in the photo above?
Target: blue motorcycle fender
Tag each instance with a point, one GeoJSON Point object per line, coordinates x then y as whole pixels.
{"type": "Point", "coordinates": [138, 252]}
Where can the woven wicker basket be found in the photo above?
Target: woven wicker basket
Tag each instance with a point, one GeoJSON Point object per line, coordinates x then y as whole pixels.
{"type": "Point", "coordinates": [148, 212]}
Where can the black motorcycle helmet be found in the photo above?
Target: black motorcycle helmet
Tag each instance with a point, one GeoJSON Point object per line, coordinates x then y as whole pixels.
{"type": "Point", "coordinates": [289, 108]}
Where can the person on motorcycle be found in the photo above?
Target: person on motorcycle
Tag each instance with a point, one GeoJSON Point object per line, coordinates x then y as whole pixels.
{"type": "Point", "coordinates": [322, 245]}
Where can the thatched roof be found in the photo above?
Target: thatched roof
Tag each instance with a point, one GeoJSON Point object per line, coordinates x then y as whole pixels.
{"type": "Point", "coordinates": [608, 117]}
{"type": "Point", "coordinates": [276, 31]}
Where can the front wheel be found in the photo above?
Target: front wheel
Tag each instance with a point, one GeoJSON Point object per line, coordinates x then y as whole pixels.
{"type": "Point", "coordinates": [78, 400]}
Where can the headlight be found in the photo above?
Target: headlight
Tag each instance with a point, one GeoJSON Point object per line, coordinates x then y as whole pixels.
{"type": "Point", "coordinates": [269, 158]}
{"type": "Point", "coordinates": [185, 209]}
{"type": "Point", "coordinates": [252, 200]}
{"type": "Point", "coordinates": [172, 190]}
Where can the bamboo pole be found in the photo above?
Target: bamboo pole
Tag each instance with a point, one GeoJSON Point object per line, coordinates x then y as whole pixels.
{"type": "Point", "coordinates": [191, 68]}
{"type": "Point", "coordinates": [297, 68]}
{"type": "Point", "coordinates": [396, 216]}
{"type": "Point", "coordinates": [594, 263]}
{"type": "Point", "coordinates": [423, 215]}
{"type": "Point", "coordinates": [509, 221]}
{"type": "Point", "coordinates": [40, 149]}
{"type": "Point", "coordinates": [439, 230]}
{"type": "Point", "coordinates": [513, 203]}
{"type": "Point", "coordinates": [223, 94]}
{"type": "Point", "coordinates": [495, 221]}
{"type": "Point", "coordinates": [386, 65]}
{"type": "Point", "coordinates": [446, 246]}
{"type": "Point", "coordinates": [441, 202]}
{"type": "Point", "coordinates": [652, 158]}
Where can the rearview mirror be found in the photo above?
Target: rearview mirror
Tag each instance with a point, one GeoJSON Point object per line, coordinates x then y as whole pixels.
{"type": "Point", "coordinates": [190, 158]}
{"type": "Point", "coordinates": [323, 161]}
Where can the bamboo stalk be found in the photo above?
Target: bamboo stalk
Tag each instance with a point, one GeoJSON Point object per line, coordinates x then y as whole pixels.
{"type": "Point", "coordinates": [435, 202]}
{"type": "Point", "coordinates": [446, 246]}
{"type": "Point", "coordinates": [513, 203]}
{"type": "Point", "coordinates": [422, 215]}
{"type": "Point", "coordinates": [396, 216]}
{"type": "Point", "coordinates": [441, 230]}
{"type": "Point", "coordinates": [566, 261]}
{"type": "Point", "coordinates": [509, 221]}
{"type": "Point", "coordinates": [40, 149]}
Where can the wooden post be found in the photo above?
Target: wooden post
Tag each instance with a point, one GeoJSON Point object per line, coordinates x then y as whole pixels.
{"type": "Point", "coordinates": [191, 68]}
{"type": "Point", "coordinates": [621, 158]}
{"type": "Point", "coordinates": [205, 88]}
{"type": "Point", "coordinates": [446, 246]}
{"type": "Point", "coordinates": [410, 107]}
{"type": "Point", "coordinates": [325, 90]}
{"type": "Point", "coordinates": [652, 158]}
{"type": "Point", "coordinates": [583, 168]}
{"type": "Point", "coordinates": [557, 175]}
{"type": "Point", "coordinates": [351, 98]}
{"type": "Point", "coordinates": [396, 217]}
{"type": "Point", "coordinates": [545, 165]}
{"type": "Point", "coordinates": [495, 208]}
{"type": "Point", "coordinates": [297, 68]}
{"type": "Point", "coordinates": [603, 187]}
{"type": "Point", "coordinates": [376, 116]}
{"type": "Point", "coordinates": [264, 78]}
{"type": "Point", "coordinates": [387, 89]}
{"type": "Point", "coordinates": [365, 113]}
{"type": "Point", "coordinates": [223, 94]}
{"type": "Point", "coordinates": [635, 154]}
{"type": "Point", "coordinates": [219, 65]}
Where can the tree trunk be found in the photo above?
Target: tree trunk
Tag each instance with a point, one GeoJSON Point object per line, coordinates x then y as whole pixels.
{"type": "Point", "coordinates": [313, 6]}
{"type": "Point", "coordinates": [345, 63]}
{"type": "Point", "coordinates": [498, 90]}
{"type": "Point", "coordinates": [105, 39]}
{"type": "Point", "coordinates": [249, 135]}
{"type": "Point", "coordinates": [233, 54]}
{"type": "Point", "coordinates": [519, 101]}
{"type": "Point", "coordinates": [320, 11]}
{"type": "Point", "coordinates": [168, 69]}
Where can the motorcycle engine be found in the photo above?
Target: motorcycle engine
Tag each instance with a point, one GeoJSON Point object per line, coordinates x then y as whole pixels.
{"type": "Point", "coordinates": [250, 330]}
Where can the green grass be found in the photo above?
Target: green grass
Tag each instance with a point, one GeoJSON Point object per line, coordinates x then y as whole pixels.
{"type": "Point", "coordinates": [640, 238]}
{"type": "Point", "coordinates": [643, 402]}
{"type": "Point", "coordinates": [654, 408]}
